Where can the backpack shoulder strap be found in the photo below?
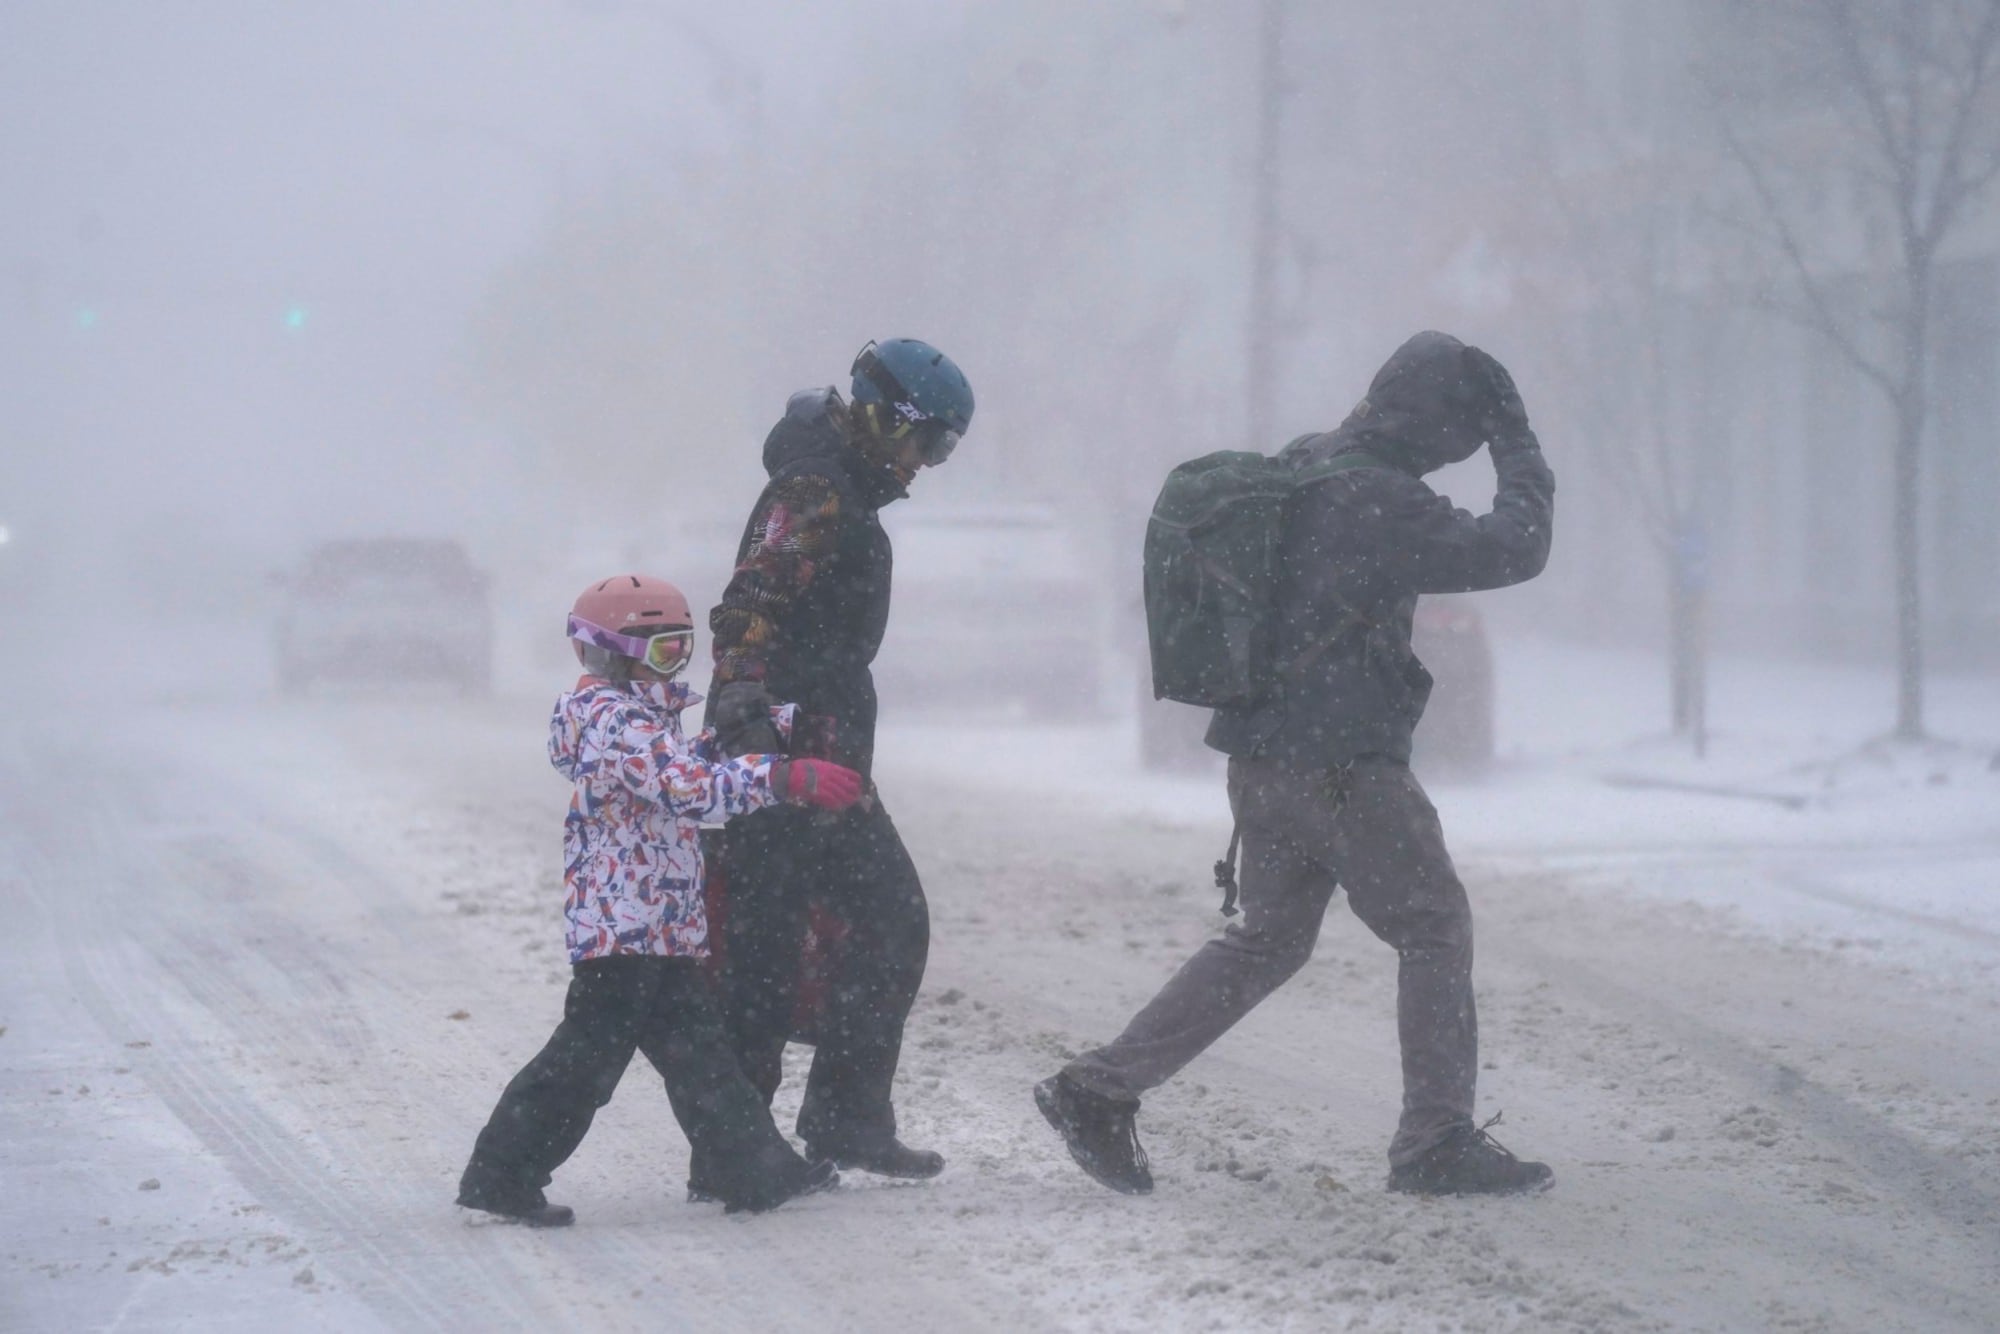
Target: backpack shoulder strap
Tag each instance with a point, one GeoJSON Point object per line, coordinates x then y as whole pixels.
{"type": "Point", "coordinates": [1339, 463]}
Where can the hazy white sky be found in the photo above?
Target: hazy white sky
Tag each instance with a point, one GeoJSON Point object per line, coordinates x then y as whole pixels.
{"type": "Point", "coordinates": [242, 238]}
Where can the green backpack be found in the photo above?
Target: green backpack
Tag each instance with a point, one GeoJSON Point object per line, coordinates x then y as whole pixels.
{"type": "Point", "coordinates": [1212, 573]}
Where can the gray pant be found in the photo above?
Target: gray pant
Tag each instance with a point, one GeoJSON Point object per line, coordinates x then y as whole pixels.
{"type": "Point", "coordinates": [1301, 840]}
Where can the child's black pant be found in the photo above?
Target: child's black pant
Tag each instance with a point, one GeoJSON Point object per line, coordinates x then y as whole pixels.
{"type": "Point", "coordinates": [663, 1008]}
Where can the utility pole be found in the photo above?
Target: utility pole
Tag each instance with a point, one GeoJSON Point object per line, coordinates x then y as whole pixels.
{"type": "Point", "coordinates": [1260, 374]}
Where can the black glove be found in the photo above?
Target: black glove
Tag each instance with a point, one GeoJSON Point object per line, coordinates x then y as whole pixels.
{"type": "Point", "coordinates": [743, 719]}
{"type": "Point", "coordinates": [1504, 421]}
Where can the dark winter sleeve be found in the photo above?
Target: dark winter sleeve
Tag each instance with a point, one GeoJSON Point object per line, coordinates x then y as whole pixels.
{"type": "Point", "coordinates": [704, 745]}
{"type": "Point", "coordinates": [1438, 548]}
{"type": "Point", "coordinates": [797, 526]}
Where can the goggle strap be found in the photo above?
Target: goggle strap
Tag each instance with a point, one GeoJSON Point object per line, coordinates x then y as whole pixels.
{"type": "Point", "coordinates": [870, 365]}
{"type": "Point", "coordinates": [591, 633]}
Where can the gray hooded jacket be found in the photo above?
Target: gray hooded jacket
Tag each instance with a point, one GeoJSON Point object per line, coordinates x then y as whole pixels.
{"type": "Point", "coordinates": [1361, 545]}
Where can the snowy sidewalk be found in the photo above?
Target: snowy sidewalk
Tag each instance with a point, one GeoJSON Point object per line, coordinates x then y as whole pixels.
{"type": "Point", "coordinates": [1799, 820]}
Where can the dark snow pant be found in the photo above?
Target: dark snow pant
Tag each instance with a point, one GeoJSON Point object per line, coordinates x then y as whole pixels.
{"type": "Point", "coordinates": [1371, 829]}
{"type": "Point", "coordinates": [779, 861]}
{"type": "Point", "coordinates": [665, 1009]}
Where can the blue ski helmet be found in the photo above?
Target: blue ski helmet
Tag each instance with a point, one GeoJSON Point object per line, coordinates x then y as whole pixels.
{"type": "Point", "coordinates": [915, 384]}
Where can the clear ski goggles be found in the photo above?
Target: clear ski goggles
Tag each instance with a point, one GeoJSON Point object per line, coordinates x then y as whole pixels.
{"type": "Point", "coordinates": [667, 650]}
{"type": "Point", "coordinates": [935, 441]}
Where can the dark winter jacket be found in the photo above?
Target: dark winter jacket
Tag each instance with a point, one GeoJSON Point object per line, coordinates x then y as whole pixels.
{"type": "Point", "coordinates": [808, 604]}
{"type": "Point", "coordinates": [1361, 545]}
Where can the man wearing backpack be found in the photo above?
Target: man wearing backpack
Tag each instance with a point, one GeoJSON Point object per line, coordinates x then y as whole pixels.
{"type": "Point", "coordinates": [1319, 777]}
{"type": "Point", "coordinates": [801, 620]}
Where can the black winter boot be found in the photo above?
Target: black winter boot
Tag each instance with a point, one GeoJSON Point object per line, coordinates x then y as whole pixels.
{"type": "Point", "coordinates": [806, 1179]}
{"type": "Point", "coordinates": [1099, 1132]}
{"type": "Point", "coordinates": [1470, 1162]}
{"type": "Point", "coordinates": [886, 1158]}
{"type": "Point", "coordinates": [523, 1204]}
{"type": "Point", "coordinates": [701, 1190]}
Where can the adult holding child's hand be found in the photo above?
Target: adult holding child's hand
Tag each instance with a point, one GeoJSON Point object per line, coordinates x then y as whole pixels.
{"type": "Point", "coordinates": [800, 621]}
{"type": "Point", "coordinates": [820, 783]}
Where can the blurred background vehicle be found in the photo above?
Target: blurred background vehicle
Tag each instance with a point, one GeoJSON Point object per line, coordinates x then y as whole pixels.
{"type": "Point", "coordinates": [383, 611]}
{"type": "Point", "coordinates": [994, 604]}
{"type": "Point", "coordinates": [11, 562]}
{"type": "Point", "coordinates": [14, 561]}
{"type": "Point", "coordinates": [1455, 738]}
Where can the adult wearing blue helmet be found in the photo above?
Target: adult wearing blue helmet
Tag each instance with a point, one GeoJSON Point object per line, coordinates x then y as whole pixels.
{"type": "Point", "coordinates": [910, 383]}
{"type": "Point", "coordinates": [800, 621]}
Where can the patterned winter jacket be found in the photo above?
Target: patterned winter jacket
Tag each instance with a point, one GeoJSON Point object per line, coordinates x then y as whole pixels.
{"type": "Point", "coordinates": [631, 848]}
{"type": "Point", "coordinates": [808, 604]}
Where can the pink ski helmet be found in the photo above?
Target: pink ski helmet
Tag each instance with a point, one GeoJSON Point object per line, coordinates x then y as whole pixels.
{"type": "Point", "coordinates": [635, 616]}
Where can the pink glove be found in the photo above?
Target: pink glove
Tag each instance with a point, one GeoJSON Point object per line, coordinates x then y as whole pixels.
{"type": "Point", "coordinates": [816, 783]}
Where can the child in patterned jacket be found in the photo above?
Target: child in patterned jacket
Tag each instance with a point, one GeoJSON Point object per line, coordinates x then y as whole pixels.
{"type": "Point", "coordinates": [637, 929]}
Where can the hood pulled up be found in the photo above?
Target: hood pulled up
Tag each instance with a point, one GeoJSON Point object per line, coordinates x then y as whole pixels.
{"type": "Point", "coordinates": [1424, 407]}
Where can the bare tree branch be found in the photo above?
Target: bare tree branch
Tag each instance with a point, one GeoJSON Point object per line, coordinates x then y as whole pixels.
{"type": "Point", "coordinates": [1895, 143]}
{"type": "Point", "coordinates": [1824, 321]}
{"type": "Point", "coordinates": [1955, 186]}
{"type": "Point", "coordinates": [1626, 462]}
{"type": "Point", "coordinates": [1980, 177]}
{"type": "Point", "coordinates": [1920, 75]}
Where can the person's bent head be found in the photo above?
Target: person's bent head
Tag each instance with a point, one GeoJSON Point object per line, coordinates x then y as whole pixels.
{"type": "Point", "coordinates": [1435, 401]}
{"type": "Point", "coordinates": [912, 405]}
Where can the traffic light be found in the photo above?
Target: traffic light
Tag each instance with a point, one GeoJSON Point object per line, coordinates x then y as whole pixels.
{"type": "Point", "coordinates": [295, 317]}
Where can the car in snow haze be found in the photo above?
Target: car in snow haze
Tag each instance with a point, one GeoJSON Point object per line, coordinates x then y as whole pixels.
{"type": "Point", "coordinates": [383, 611]}
{"type": "Point", "coordinates": [1455, 735]}
{"type": "Point", "coordinates": [12, 577]}
{"type": "Point", "coordinates": [993, 605]}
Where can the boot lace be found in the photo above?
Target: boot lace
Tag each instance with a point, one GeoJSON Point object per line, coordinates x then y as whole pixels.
{"type": "Point", "coordinates": [1118, 1135]}
{"type": "Point", "coordinates": [1481, 1139]}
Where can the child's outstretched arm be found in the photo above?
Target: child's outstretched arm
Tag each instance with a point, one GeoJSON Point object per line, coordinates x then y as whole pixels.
{"type": "Point", "coordinates": [637, 753]}
{"type": "Point", "coordinates": [634, 751]}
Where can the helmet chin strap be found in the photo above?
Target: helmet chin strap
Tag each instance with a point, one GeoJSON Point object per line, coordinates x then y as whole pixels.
{"type": "Point", "coordinates": [869, 437]}
{"type": "Point", "coordinates": [875, 446]}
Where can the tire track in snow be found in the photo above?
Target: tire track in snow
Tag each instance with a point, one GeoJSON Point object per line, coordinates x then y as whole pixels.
{"type": "Point", "coordinates": [1807, 886]}
{"type": "Point", "coordinates": [1898, 1164]}
{"type": "Point", "coordinates": [793, 1269]}
{"type": "Point", "coordinates": [260, 1152]}
{"type": "Point", "coordinates": [128, 984]}
{"type": "Point", "coordinates": [1286, 1056]}
{"type": "Point", "coordinates": [479, 1258]}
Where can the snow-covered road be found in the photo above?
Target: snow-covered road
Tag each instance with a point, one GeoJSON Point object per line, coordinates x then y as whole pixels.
{"type": "Point", "coordinates": [266, 966]}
